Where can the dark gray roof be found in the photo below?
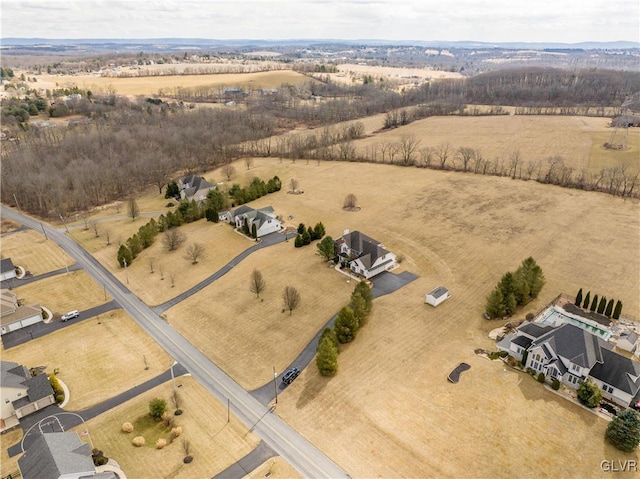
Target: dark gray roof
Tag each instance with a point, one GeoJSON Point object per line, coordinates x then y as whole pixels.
{"type": "Point", "coordinates": [38, 387]}
{"type": "Point", "coordinates": [523, 341]}
{"type": "Point", "coordinates": [630, 336]}
{"type": "Point", "coordinates": [598, 318]}
{"type": "Point", "coordinates": [559, 365]}
{"type": "Point", "coordinates": [575, 344]}
{"type": "Point", "coordinates": [193, 183]}
{"type": "Point", "coordinates": [55, 454]}
{"type": "Point", "coordinates": [6, 265]}
{"type": "Point", "coordinates": [437, 292]}
{"type": "Point", "coordinates": [534, 330]}
{"type": "Point", "coordinates": [12, 374]}
{"type": "Point", "coordinates": [366, 249]}
{"type": "Point", "coordinates": [618, 371]}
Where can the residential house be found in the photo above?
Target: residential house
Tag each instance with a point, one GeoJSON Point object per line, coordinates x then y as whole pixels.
{"type": "Point", "coordinates": [14, 316]}
{"type": "Point", "coordinates": [628, 341]}
{"type": "Point", "coordinates": [572, 354]}
{"type": "Point", "coordinates": [437, 296]}
{"type": "Point", "coordinates": [7, 269]}
{"type": "Point", "coordinates": [22, 394]}
{"type": "Point", "coordinates": [364, 255]}
{"type": "Point", "coordinates": [194, 187]}
{"type": "Point", "coordinates": [264, 219]}
{"type": "Point", "coordinates": [59, 455]}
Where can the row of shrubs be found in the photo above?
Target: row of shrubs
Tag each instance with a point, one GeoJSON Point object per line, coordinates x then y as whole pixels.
{"type": "Point", "coordinates": [306, 235]}
{"type": "Point", "coordinates": [601, 307]}
{"type": "Point", "coordinates": [345, 328]}
{"type": "Point", "coordinates": [515, 289]}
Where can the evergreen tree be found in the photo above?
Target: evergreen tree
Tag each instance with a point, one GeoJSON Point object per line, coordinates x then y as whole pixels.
{"type": "Point", "coordinates": [254, 230]}
{"type": "Point", "coordinates": [245, 226]}
{"type": "Point", "coordinates": [331, 334]}
{"type": "Point", "coordinates": [594, 304]}
{"type": "Point", "coordinates": [359, 307]}
{"type": "Point", "coordinates": [587, 300]}
{"type": "Point", "coordinates": [173, 191]}
{"type": "Point", "coordinates": [507, 284]}
{"type": "Point", "coordinates": [495, 307]}
{"type": "Point", "coordinates": [301, 228]}
{"type": "Point", "coordinates": [602, 305]}
{"type": "Point", "coordinates": [319, 230]}
{"type": "Point", "coordinates": [217, 200]}
{"type": "Point", "coordinates": [211, 214]}
{"type": "Point", "coordinates": [534, 276]}
{"type": "Point", "coordinates": [135, 246]}
{"type": "Point", "coordinates": [298, 243]}
{"type": "Point", "coordinates": [306, 238]}
{"type": "Point", "coordinates": [363, 289]}
{"type": "Point", "coordinates": [624, 431]}
{"type": "Point", "coordinates": [579, 298]}
{"type": "Point", "coordinates": [162, 223]}
{"type": "Point", "coordinates": [589, 394]}
{"type": "Point", "coordinates": [346, 325]}
{"type": "Point", "coordinates": [327, 357]}
{"type": "Point", "coordinates": [124, 255]}
{"type": "Point", "coordinates": [510, 304]}
{"type": "Point", "coordinates": [617, 310]}
{"type": "Point", "coordinates": [326, 248]}
{"type": "Point", "coordinates": [609, 309]}
{"type": "Point", "coordinates": [312, 233]}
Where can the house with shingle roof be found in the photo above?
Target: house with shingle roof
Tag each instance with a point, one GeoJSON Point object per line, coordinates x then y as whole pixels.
{"type": "Point", "coordinates": [572, 354]}
{"type": "Point", "coordinates": [264, 219]}
{"type": "Point", "coordinates": [22, 394]}
{"type": "Point", "coordinates": [59, 455]}
{"type": "Point", "coordinates": [14, 316]}
{"type": "Point", "coordinates": [194, 187]}
{"type": "Point", "coordinates": [7, 269]}
{"type": "Point", "coordinates": [364, 255]}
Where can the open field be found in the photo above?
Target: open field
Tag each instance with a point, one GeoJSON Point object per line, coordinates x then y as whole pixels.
{"type": "Point", "coordinates": [155, 84]}
{"type": "Point", "coordinates": [247, 336]}
{"type": "Point", "coordinates": [66, 291]}
{"type": "Point", "coordinates": [33, 252]}
{"type": "Point", "coordinates": [460, 231]}
{"type": "Point", "coordinates": [577, 139]}
{"type": "Point", "coordinates": [214, 444]}
{"type": "Point", "coordinates": [98, 358]}
{"type": "Point", "coordinates": [350, 71]}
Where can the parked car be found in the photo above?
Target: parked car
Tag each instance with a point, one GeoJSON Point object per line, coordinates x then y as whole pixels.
{"type": "Point", "coordinates": [290, 375]}
{"type": "Point", "coordinates": [70, 315]}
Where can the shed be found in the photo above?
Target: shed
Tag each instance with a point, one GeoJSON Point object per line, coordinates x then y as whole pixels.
{"type": "Point", "coordinates": [628, 341]}
{"type": "Point", "coordinates": [7, 269]}
{"type": "Point", "coordinates": [437, 296]}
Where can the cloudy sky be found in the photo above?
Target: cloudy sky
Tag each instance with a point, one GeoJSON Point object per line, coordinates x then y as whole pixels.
{"type": "Point", "coordinates": [482, 20]}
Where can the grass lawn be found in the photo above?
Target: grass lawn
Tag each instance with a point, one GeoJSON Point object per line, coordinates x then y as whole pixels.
{"type": "Point", "coordinates": [33, 252]}
{"type": "Point", "coordinates": [63, 292]}
{"type": "Point", "coordinates": [9, 465]}
{"type": "Point", "coordinates": [214, 444]}
{"type": "Point", "coordinates": [600, 157]}
{"type": "Point", "coordinates": [97, 358]}
{"type": "Point", "coordinates": [457, 230]}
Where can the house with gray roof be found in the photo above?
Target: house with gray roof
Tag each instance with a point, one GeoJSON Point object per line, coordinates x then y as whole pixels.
{"type": "Point", "coordinates": [57, 455]}
{"type": "Point", "coordinates": [264, 219]}
{"type": "Point", "coordinates": [364, 255]}
{"type": "Point", "coordinates": [194, 187]}
{"type": "Point", "coordinates": [7, 269]}
{"type": "Point", "coordinates": [22, 394]}
{"type": "Point", "coordinates": [572, 354]}
{"type": "Point", "coordinates": [14, 316]}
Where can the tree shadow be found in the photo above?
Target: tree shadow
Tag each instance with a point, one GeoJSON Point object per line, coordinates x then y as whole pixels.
{"type": "Point", "coordinates": [313, 387]}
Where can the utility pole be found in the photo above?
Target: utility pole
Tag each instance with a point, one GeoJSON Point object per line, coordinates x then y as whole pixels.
{"type": "Point", "coordinates": [173, 379]}
{"type": "Point", "coordinates": [16, 198]}
{"type": "Point", "coordinates": [43, 231]}
{"type": "Point", "coordinates": [64, 223]}
{"type": "Point", "coordinates": [275, 383]}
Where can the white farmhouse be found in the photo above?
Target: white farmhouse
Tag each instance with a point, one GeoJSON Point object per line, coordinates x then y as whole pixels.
{"type": "Point", "coordinates": [364, 255]}
{"type": "Point", "coordinates": [437, 296]}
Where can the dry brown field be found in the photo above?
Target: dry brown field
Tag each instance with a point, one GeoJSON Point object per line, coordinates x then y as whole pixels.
{"type": "Point", "coordinates": [155, 84]}
{"type": "Point", "coordinates": [457, 230]}
{"type": "Point", "coordinates": [215, 445]}
{"type": "Point", "coordinates": [577, 139]}
{"type": "Point", "coordinates": [9, 465]}
{"type": "Point", "coordinates": [97, 358]}
{"type": "Point", "coordinates": [33, 252]}
{"type": "Point", "coordinates": [275, 467]}
{"type": "Point", "coordinates": [63, 292]}
{"type": "Point", "coordinates": [396, 74]}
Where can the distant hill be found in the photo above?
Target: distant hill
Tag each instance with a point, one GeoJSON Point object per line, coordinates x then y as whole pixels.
{"type": "Point", "coordinates": [195, 43]}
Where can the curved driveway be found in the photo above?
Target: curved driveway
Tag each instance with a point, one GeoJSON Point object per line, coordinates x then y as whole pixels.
{"type": "Point", "coordinates": [285, 441]}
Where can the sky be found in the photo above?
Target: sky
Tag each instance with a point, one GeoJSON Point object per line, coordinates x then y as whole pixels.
{"type": "Point", "coordinates": [566, 21]}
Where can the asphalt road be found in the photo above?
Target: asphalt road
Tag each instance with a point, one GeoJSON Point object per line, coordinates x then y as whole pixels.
{"type": "Point", "coordinates": [285, 441]}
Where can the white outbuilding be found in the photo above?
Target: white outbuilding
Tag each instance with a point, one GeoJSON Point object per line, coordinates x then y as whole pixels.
{"type": "Point", "coordinates": [437, 296]}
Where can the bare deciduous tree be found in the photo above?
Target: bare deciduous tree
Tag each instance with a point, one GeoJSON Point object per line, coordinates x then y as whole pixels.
{"type": "Point", "coordinates": [132, 209]}
{"type": "Point", "coordinates": [293, 184]}
{"type": "Point", "coordinates": [194, 251]}
{"type": "Point", "coordinates": [161, 271]}
{"type": "Point", "coordinates": [350, 201]}
{"type": "Point", "coordinates": [248, 161]}
{"type": "Point", "coordinates": [465, 154]}
{"type": "Point", "coordinates": [291, 298]}
{"type": "Point", "coordinates": [173, 238]}
{"type": "Point", "coordinates": [151, 260]}
{"type": "Point", "coordinates": [107, 233]}
{"type": "Point", "coordinates": [442, 152]}
{"type": "Point", "coordinates": [228, 171]}
{"type": "Point", "coordinates": [257, 283]}
{"type": "Point", "coordinates": [94, 225]}
{"type": "Point", "coordinates": [426, 156]}
{"type": "Point", "coordinates": [408, 146]}
{"type": "Point", "coordinates": [172, 277]}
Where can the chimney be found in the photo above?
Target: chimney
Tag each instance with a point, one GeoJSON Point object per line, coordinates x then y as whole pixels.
{"type": "Point", "coordinates": [346, 232]}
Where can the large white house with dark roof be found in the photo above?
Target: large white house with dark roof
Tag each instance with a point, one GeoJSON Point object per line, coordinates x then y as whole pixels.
{"type": "Point", "coordinates": [572, 354]}
{"type": "Point", "coordinates": [264, 219]}
{"type": "Point", "coordinates": [21, 393]}
{"type": "Point", "coordinates": [194, 187]}
{"type": "Point", "coordinates": [364, 255]}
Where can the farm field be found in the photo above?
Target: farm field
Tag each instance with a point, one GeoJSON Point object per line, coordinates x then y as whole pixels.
{"type": "Point", "coordinates": [397, 74]}
{"type": "Point", "coordinates": [214, 443]}
{"type": "Point", "coordinates": [463, 232]}
{"type": "Point", "coordinates": [97, 358]}
{"type": "Point", "coordinates": [66, 291]}
{"type": "Point", "coordinates": [153, 85]}
{"type": "Point", "coordinates": [32, 251]}
{"type": "Point", "coordinates": [577, 139]}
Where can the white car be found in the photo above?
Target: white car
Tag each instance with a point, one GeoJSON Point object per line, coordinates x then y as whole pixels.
{"type": "Point", "coordinates": [70, 315]}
